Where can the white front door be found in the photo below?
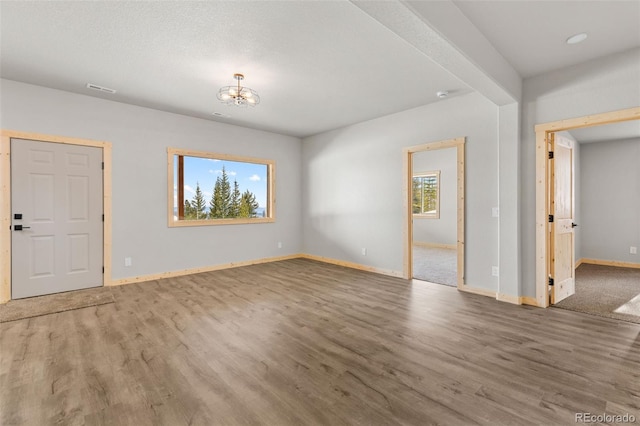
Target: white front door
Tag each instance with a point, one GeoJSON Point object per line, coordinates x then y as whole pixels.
{"type": "Point", "coordinates": [57, 218]}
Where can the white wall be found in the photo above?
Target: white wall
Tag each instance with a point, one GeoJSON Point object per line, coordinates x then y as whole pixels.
{"type": "Point", "coordinates": [353, 184]}
{"type": "Point", "coordinates": [443, 230]}
{"type": "Point", "coordinates": [140, 137]}
{"type": "Point", "coordinates": [610, 203]}
{"type": "Point", "coordinates": [607, 84]}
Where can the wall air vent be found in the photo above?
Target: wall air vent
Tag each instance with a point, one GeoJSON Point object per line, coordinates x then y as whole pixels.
{"type": "Point", "coordinates": [99, 88]}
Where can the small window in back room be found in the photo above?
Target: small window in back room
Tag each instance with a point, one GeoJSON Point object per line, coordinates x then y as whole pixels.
{"type": "Point", "coordinates": [214, 189]}
{"type": "Point", "coordinates": [426, 195]}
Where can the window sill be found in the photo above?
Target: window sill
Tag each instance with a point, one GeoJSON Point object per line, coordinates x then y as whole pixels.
{"type": "Point", "coordinates": [217, 222]}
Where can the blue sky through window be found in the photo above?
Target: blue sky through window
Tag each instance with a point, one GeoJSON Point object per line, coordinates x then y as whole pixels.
{"type": "Point", "coordinates": [250, 176]}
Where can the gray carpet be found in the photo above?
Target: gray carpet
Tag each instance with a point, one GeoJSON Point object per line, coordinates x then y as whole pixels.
{"type": "Point", "coordinates": [606, 291]}
{"type": "Point", "coordinates": [436, 265]}
{"type": "Point", "coordinates": [50, 304]}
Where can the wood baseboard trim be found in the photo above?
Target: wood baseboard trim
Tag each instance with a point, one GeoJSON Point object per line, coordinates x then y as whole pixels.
{"type": "Point", "coordinates": [522, 300]}
{"type": "Point", "coordinates": [579, 262]}
{"type": "Point", "coordinates": [526, 300]}
{"type": "Point", "coordinates": [479, 291]}
{"type": "Point", "coordinates": [509, 298]}
{"type": "Point", "coordinates": [352, 265]}
{"type": "Point", "coordinates": [435, 245]}
{"type": "Point", "coordinates": [171, 274]}
{"type": "Point", "coordinates": [611, 263]}
{"type": "Point", "coordinates": [501, 297]}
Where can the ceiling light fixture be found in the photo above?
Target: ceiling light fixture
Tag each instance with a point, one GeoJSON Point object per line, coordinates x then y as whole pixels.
{"type": "Point", "coordinates": [238, 95]}
{"type": "Point", "coordinates": [577, 38]}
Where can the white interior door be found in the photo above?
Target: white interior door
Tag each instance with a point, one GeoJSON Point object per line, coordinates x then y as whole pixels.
{"type": "Point", "coordinates": [57, 218]}
{"type": "Point", "coordinates": [562, 228]}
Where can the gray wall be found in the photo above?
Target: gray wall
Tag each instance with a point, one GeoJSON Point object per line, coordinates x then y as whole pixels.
{"type": "Point", "coordinates": [443, 230]}
{"type": "Point", "coordinates": [353, 183]}
{"type": "Point", "coordinates": [610, 203]}
{"type": "Point", "coordinates": [140, 137]}
{"type": "Point", "coordinates": [607, 84]}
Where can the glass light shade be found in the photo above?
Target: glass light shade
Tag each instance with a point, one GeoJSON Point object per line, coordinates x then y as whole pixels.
{"type": "Point", "coordinates": [230, 95]}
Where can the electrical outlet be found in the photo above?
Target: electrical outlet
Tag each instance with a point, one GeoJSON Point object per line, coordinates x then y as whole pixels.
{"type": "Point", "coordinates": [495, 271]}
{"type": "Point", "coordinates": [633, 250]}
{"type": "Point", "coordinates": [364, 251]}
{"type": "Point", "coordinates": [279, 244]}
{"type": "Point", "coordinates": [127, 261]}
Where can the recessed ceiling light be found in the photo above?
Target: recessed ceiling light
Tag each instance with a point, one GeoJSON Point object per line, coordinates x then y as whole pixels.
{"type": "Point", "coordinates": [577, 38]}
{"type": "Point", "coordinates": [442, 94]}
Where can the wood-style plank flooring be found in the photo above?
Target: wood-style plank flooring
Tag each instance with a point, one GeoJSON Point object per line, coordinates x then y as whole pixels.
{"type": "Point", "coordinates": [300, 342]}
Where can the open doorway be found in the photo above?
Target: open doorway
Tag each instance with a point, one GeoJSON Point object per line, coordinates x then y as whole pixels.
{"type": "Point", "coordinates": [434, 207]}
{"type": "Point", "coordinates": [607, 182]}
{"type": "Point", "coordinates": [433, 210]}
{"type": "Point", "coordinates": [549, 272]}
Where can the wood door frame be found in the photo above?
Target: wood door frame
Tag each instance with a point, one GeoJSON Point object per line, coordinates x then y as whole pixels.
{"type": "Point", "coordinates": [5, 201]}
{"type": "Point", "coordinates": [542, 186]}
{"type": "Point", "coordinates": [407, 159]}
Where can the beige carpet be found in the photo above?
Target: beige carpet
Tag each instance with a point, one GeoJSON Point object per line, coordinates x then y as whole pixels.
{"type": "Point", "coordinates": [50, 304]}
{"type": "Point", "coordinates": [606, 291]}
{"type": "Point", "coordinates": [436, 265]}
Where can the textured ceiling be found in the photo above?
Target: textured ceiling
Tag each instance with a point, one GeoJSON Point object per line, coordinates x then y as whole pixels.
{"type": "Point", "coordinates": [316, 65]}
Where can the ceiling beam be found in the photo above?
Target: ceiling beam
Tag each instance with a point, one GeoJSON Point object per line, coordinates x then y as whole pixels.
{"type": "Point", "coordinates": [442, 32]}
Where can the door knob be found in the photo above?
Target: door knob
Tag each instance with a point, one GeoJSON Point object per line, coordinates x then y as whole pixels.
{"type": "Point", "coordinates": [20, 227]}
{"type": "Point", "coordinates": [573, 225]}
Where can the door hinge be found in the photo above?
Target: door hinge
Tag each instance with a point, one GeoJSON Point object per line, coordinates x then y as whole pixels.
{"type": "Point", "coordinates": [103, 217]}
{"type": "Point", "coordinates": [103, 269]}
{"type": "Point", "coordinates": [103, 165]}
{"type": "Point", "coordinates": [550, 155]}
{"type": "Point", "coordinates": [550, 281]}
{"type": "Point", "coordinates": [550, 218]}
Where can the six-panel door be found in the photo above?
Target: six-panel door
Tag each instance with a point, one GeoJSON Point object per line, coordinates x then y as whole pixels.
{"type": "Point", "coordinates": [57, 190]}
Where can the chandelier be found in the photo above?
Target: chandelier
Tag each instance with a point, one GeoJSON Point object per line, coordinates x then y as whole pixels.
{"type": "Point", "coordinates": [238, 95]}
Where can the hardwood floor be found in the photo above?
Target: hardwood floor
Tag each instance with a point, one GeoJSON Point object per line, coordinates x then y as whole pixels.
{"type": "Point", "coordinates": [301, 342]}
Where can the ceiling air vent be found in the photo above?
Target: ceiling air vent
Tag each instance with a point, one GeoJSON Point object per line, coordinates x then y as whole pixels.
{"type": "Point", "coordinates": [100, 88]}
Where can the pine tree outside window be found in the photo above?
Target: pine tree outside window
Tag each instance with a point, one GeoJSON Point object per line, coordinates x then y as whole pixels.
{"type": "Point", "coordinates": [214, 189]}
{"type": "Point", "coordinates": [426, 195]}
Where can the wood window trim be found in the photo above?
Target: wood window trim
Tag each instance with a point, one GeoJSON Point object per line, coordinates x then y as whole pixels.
{"type": "Point", "coordinates": [435, 215]}
{"type": "Point", "coordinates": [271, 179]}
{"type": "Point", "coordinates": [5, 201]}
{"type": "Point", "coordinates": [543, 131]}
